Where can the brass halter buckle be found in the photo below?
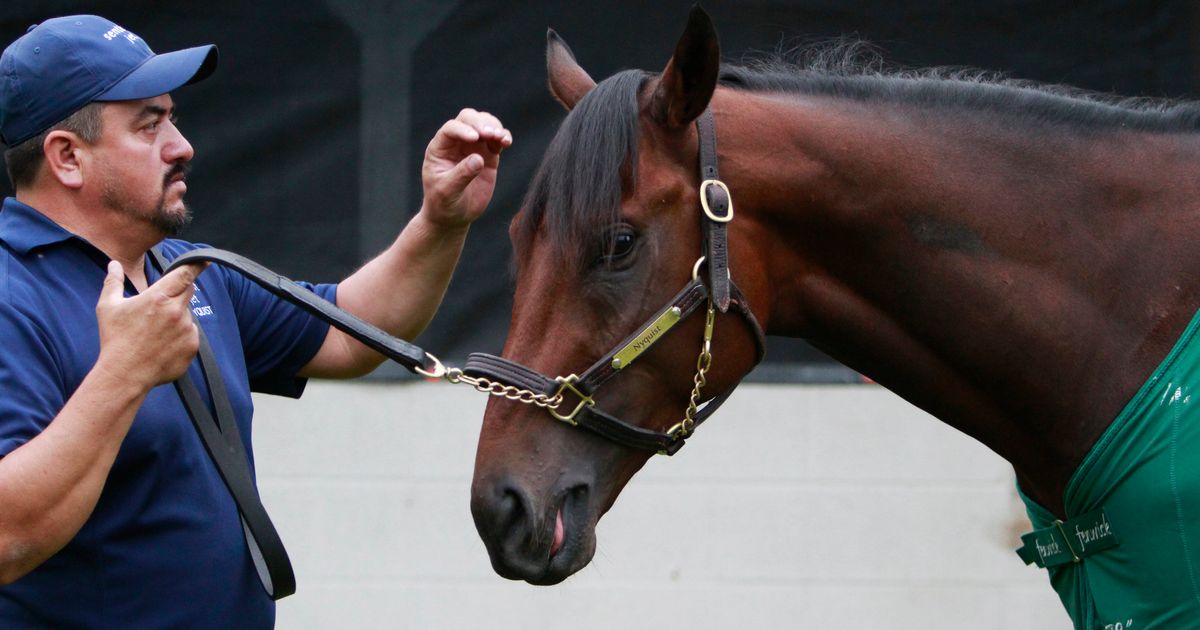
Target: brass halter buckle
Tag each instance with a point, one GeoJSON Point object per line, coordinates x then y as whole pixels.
{"type": "Point", "coordinates": [567, 383]}
{"type": "Point", "coordinates": [704, 201]}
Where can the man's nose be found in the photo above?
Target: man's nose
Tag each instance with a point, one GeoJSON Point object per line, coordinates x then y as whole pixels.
{"type": "Point", "coordinates": [177, 148]}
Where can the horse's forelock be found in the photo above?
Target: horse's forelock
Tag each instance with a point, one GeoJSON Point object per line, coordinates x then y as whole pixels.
{"type": "Point", "coordinates": [590, 164]}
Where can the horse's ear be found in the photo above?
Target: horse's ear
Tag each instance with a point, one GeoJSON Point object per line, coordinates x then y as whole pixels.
{"type": "Point", "coordinates": [568, 81]}
{"type": "Point", "coordinates": [688, 82]}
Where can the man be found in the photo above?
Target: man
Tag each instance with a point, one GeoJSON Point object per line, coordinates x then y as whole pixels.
{"type": "Point", "coordinates": [111, 512]}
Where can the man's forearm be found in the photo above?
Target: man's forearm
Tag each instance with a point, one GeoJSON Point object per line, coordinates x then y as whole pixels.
{"type": "Point", "coordinates": [50, 485]}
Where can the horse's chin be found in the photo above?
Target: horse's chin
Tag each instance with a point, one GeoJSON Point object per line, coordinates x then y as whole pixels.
{"type": "Point", "coordinates": [573, 556]}
{"type": "Point", "coordinates": [541, 551]}
{"type": "Point", "coordinates": [576, 552]}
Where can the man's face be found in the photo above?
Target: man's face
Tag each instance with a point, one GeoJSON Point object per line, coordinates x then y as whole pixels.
{"type": "Point", "coordinates": [141, 162]}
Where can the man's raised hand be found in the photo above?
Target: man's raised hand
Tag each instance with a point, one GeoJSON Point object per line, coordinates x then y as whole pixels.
{"type": "Point", "coordinates": [459, 172]}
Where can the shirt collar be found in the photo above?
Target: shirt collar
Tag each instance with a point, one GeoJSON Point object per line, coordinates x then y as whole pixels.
{"type": "Point", "coordinates": [24, 229]}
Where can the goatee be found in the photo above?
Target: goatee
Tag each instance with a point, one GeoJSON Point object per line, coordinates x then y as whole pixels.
{"type": "Point", "coordinates": [172, 223]}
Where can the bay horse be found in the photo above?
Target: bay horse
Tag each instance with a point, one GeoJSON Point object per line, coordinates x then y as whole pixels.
{"type": "Point", "coordinates": [1014, 259]}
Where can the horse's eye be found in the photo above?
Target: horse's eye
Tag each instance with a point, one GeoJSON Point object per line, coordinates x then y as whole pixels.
{"type": "Point", "coordinates": [622, 244]}
{"type": "Point", "coordinates": [618, 245]}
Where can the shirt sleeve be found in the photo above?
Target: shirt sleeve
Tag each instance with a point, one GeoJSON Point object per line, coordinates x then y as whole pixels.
{"type": "Point", "coordinates": [278, 338]}
{"type": "Point", "coordinates": [33, 390]}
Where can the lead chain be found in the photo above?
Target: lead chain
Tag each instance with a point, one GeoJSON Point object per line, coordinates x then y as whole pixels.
{"type": "Point", "coordinates": [703, 363]}
{"type": "Point", "coordinates": [500, 390]}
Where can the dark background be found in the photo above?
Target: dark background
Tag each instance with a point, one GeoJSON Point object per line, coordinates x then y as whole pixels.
{"type": "Point", "coordinates": [309, 137]}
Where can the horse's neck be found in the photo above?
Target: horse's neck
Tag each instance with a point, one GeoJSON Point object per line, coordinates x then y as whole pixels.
{"type": "Point", "coordinates": [1018, 286]}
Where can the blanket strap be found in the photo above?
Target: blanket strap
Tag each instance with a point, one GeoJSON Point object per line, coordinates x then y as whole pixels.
{"type": "Point", "coordinates": [1068, 541]}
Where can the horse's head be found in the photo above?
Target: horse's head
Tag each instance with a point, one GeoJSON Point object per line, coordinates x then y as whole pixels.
{"type": "Point", "coordinates": [610, 232]}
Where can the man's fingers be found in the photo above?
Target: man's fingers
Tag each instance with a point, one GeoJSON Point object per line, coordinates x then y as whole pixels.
{"type": "Point", "coordinates": [496, 146]}
{"type": "Point", "coordinates": [471, 127]}
{"type": "Point", "coordinates": [455, 131]}
{"type": "Point", "coordinates": [479, 120]}
{"type": "Point", "coordinates": [492, 132]}
{"type": "Point", "coordinates": [114, 283]}
{"type": "Point", "coordinates": [179, 282]}
{"type": "Point", "coordinates": [465, 171]}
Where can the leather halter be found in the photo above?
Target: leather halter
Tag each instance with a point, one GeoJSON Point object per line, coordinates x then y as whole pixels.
{"type": "Point", "coordinates": [502, 377]}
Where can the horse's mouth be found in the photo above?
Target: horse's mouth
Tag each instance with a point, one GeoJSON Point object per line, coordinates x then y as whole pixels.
{"type": "Point", "coordinates": [557, 543]}
{"type": "Point", "coordinates": [568, 542]}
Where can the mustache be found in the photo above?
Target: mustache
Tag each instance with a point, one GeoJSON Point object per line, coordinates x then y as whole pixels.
{"type": "Point", "coordinates": [179, 170]}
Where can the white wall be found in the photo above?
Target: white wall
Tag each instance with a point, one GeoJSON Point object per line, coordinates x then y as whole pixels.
{"type": "Point", "coordinates": [837, 507]}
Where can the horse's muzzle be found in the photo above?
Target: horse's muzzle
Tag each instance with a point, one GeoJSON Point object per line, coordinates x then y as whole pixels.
{"type": "Point", "coordinates": [520, 534]}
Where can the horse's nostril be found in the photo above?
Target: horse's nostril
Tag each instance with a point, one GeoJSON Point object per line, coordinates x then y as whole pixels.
{"type": "Point", "coordinates": [501, 510]}
{"type": "Point", "coordinates": [511, 509]}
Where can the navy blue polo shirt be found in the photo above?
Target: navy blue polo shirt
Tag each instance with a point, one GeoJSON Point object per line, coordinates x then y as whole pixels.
{"type": "Point", "coordinates": [164, 547]}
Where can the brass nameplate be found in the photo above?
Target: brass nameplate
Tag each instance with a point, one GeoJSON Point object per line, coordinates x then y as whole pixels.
{"type": "Point", "coordinates": [646, 338]}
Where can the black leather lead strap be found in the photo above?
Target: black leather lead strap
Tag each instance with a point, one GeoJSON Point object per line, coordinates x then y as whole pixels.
{"type": "Point", "coordinates": [225, 447]}
{"type": "Point", "coordinates": [223, 441]}
{"type": "Point", "coordinates": [394, 348]}
{"type": "Point", "coordinates": [716, 199]}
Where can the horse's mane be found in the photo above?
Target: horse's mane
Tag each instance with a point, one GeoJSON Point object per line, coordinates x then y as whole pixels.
{"type": "Point", "coordinates": [592, 160]}
{"type": "Point", "coordinates": [853, 69]}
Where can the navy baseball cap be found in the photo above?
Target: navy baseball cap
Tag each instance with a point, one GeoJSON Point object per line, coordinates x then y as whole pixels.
{"type": "Point", "coordinates": [59, 66]}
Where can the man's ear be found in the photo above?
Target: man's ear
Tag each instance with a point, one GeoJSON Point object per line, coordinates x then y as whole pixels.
{"type": "Point", "coordinates": [62, 150]}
